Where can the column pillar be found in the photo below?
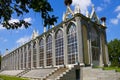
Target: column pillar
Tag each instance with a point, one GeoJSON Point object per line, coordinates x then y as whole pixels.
{"type": "Point", "coordinates": [32, 55]}
{"type": "Point", "coordinates": [65, 44]}
{"type": "Point", "coordinates": [27, 56]}
{"type": "Point", "coordinates": [10, 61]}
{"type": "Point", "coordinates": [23, 52]}
{"type": "Point", "coordinates": [20, 58]}
{"type": "Point", "coordinates": [106, 50]}
{"type": "Point", "coordinates": [53, 49]}
{"type": "Point", "coordinates": [37, 53]}
{"type": "Point", "coordinates": [79, 40]}
{"type": "Point", "coordinates": [44, 50]}
{"type": "Point", "coordinates": [16, 60]}
{"type": "Point", "coordinates": [13, 60]}
{"type": "Point", "coordinates": [6, 62]}
{"type": "Point", "coordinates": [101, 52]}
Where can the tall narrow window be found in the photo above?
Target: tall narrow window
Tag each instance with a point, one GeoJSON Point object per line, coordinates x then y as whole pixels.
{"type": "Point", "coordinates": [41, 53]}
{"type": "Point", "coordinates": [29, 56]}
{"type": "Point", "coordinates": [59, 49]}
{"type": "Point", "coordinates": [95, 44]}
{"type": "Point", "coordinates": [34, 54]}
{"type": "Point", "coordinates": [72, 44]}
{"type": "Point", "coordinates": [49, 50]}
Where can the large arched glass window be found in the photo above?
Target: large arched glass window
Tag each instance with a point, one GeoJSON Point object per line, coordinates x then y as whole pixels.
{"type": "Point", "coordinates": [34, 55]}
{"type": "Point", "coordinates": [41, 53]}
{"type": "Point", "coordinates": [95, 44]}
{"type": "Point", "coordinates": [29, 56]}
{"type": "Point", "coordinates": [72, 44]}
{"type": "Point", "coordinates": [49, 50]}
{"type": "Point", "coordinates": [59, 49]}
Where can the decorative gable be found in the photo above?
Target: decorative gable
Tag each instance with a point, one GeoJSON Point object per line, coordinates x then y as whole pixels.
{"type": "Point", "coordinates": [94, 16]}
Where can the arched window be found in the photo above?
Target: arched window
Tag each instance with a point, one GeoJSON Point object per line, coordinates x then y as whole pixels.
{"type": "Point", "coordinates": [72, 44]}
{"type": "Point", "coordinates": [41, 53]}
{"type": "Point", "coordinates": [59, 48]}
{"type": "Point", "coordinates": [29, 56]}
{"type": "Point", "coordinates": [95, 44]}
{"type": "Point", "coordinates": [49, 50]}
{"type": "Point", "coordinates": [34, 55]}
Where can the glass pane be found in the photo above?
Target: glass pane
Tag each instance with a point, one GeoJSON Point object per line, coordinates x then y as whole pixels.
{"type": "Point", "coordinates": [72, 44]}
{"type": "Point", "coordinates": [59, 48]}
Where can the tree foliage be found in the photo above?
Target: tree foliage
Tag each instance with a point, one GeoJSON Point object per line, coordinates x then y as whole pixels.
{"type": "Point", "coordinates": [20, 7]}
{"type": "Point", "coordinates": [114, 52]}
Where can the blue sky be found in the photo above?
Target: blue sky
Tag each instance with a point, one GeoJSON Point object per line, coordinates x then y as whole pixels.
{"type": "Point", "coordinates": [11, 39]}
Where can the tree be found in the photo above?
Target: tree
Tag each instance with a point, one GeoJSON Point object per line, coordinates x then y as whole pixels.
{"type": "Point", "coordinates": [20, 7]}
{"type": "Point", "coordinates": [114, 52]}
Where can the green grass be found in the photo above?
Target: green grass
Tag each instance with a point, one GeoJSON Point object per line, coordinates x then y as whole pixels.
{"type": "Point", "coordinates": [109, 68]}
{"type": "Point", "coordinates": [10, 78]}
{"type": "Point", "coordinates": [112, 68]}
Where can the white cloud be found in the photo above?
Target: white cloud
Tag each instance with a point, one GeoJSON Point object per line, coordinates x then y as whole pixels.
{"type": "Point", "coordinates": [99, 8]}
{"type": "Point", "coordinates": [23, 40]}
{"type": "Point", "coordinates": [17, 20]}
{"type": "Point", "coordinates": [28, 20]}
{"type": "Point", "coordinates": [1, 27]}
{"type": "Point", "coordinates": [118, 16]}
{"type": "Point", "coordinates": [13, 20]}
{"type": "Point", "coordinates": [117, 9]}
{"type": "Point", "coordinates": [114, 21]}
{"type": "Point", "coordinates": [84, 4]}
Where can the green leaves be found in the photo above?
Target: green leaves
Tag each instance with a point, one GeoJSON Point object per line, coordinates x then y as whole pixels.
{"type": "Point", "coordinates": [20, 7]}
{"type": "Point", "coordinates": [114, 52]}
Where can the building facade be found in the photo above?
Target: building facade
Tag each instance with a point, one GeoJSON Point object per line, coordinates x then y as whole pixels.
{"type": "Point", "coordinates": [78, 39]}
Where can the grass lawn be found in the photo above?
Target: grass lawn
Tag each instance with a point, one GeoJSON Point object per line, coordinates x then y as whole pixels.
{"type": "Point", "coordinates": [109, 68]}
{"type": "Point", "coordinates": [112, 68]}
{"type": "Point", "coordinates": [10, 78]}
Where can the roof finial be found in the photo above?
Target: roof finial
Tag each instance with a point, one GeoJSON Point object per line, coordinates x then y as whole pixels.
{"type": "Point", "coordinates": [87, 14]}
{"type": "Point", "coordinates": [69, 12]}
{"type": "Point", "coordinates": [77, 9]}
{"type": "Point", "coordinates": [103, 19]}
{"type": "Point", "coordinates": [35, 34]}
{"type": "Point", "coordinates": [68, 2]}
{"type": "Point", "coordinates": [93, 7]}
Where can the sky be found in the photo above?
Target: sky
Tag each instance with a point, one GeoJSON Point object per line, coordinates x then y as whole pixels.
{"type": "Point", "coordinates": [11, 39]}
